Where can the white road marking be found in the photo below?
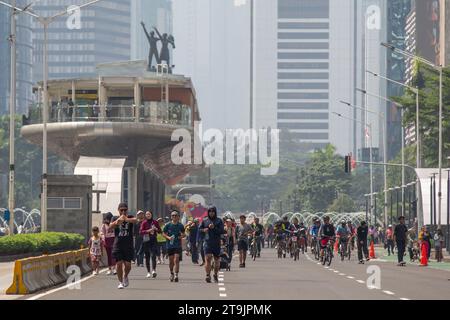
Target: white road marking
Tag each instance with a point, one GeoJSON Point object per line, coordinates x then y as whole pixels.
{"type": "Point", "coordinates": [220, 279]}
{"type": "Point", "coordinates": [389, 292]}
{"type": "Point", "coordinates": [404, 299]}
{"type": "Point", "coordinates": [65, 287]}
{"type": "Point", "coordinates": [222, 289]}
{"type": "Point", "coordinates": [335, 271]}
{"type": "Point", "coordinates": [360, 281]}
{"type": "Point", "coordinates": [221, 284]}
{"type": "Point", "coordinates": [350, 277]}
{"type": "Point", "coordinates": [223, 295]}
{"type": "Point", "coordinates": [342, 274]}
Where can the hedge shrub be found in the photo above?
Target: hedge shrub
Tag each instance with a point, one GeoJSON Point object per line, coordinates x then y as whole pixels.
{"type": "Point", "coordinates": [40, 243]}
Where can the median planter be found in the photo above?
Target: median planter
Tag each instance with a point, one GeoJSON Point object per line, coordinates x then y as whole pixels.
{"type": "Point", "coordinates": [35, 243]}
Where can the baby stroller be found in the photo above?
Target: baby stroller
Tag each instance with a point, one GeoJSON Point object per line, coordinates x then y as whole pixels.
{"type": "Point", "coordinates": [225, 260]}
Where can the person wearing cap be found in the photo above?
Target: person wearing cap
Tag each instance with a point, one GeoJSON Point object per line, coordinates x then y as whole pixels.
{"type": "Point", "coordinates": [361, 241]}
{"type": "Point", "coordinates": [213, 228]}
{"type": "Point", "coordinates": [123, 247]}
{"type": "Point", "coordinates": [400, 238]}
{"type": "Point", "coordinates": [390, 240]}
{"type": "Point", "coordinates": [174, 233]}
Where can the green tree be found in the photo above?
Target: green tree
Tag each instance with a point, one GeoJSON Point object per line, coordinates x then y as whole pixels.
{"type": "Point", "coordinates": [343, 203]}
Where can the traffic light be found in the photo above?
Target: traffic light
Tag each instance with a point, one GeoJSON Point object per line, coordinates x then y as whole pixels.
{"type": "Point", "coordinates": [348, 164]}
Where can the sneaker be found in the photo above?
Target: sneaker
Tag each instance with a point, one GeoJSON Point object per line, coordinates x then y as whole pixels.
{"type": "Point", "coordinates": [153, 274]}
{"type": "Point", "coordinates": [159, 261]}
{"type": "Point", "coordinates": [202, 264]}
{"type": "Point", "coordinates": [108, 272]}
{"type": "Point", "coordinates": [361, 261]}
{"type": "Point", "coordinates": [208, 278]}
{"type": "Point", "coordinates": [114, 272]}
{"type": "Point", "coordinates": [241, 265]}
{"type": "Point", "coordinates": [368, 259]}
{"type": "Point", "coordinates": [176, 278]}
{"type": "Point", "coordinates": [216, 278]}
{"type": "Point", "coordinates": [172, 277]}
{"type": "Point", "coordinates": [126, 283]}
{"type": "Point", "coordinates": [120, 286]}
{"type": "Point", "coordinates": [148, 275]}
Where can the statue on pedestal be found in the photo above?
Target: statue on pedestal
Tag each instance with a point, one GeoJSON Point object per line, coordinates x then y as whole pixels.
{"type": "Point", "coordinates": [153, 52]}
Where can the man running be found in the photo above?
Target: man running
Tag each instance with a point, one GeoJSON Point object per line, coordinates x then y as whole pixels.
{"type": "Point", "coordinates": [213, 229]}
{"type": "Point", "coordinates": [259, 232]}
{"type": "Point", "coordinates": [243, 231]}
{"type": "Point", "coordinates": [123, 250]}
{"type": "Point", "coordinates": [174, 232]}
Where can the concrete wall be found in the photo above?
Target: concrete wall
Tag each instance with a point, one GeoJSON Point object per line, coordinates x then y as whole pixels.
{"type": "Point", "coordinates": [71, 220]}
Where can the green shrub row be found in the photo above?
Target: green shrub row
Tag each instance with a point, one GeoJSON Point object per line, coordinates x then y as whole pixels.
{"type": "Point", "coordinates": [45, 242]}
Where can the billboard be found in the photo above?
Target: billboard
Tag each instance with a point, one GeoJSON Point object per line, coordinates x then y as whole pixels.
{"type": "Point", "coordinates": [428, 29]}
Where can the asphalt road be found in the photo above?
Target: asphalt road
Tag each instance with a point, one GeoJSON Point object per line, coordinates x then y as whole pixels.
{"type": "Point", "coordinates": [269, 278]}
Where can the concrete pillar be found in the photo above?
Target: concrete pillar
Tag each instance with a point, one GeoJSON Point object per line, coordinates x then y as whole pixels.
{"type": "Point", "coordinates": [137, 99]}
{"type": "Point", "coordinates": [74, 111]}
{"type": "Point", "coordinates": [102, 98]}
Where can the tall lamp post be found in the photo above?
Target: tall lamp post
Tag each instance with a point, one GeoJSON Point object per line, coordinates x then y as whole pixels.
{"type": "Point", "coordinates": [45, 22]}
{"type": "Point", "coordinates": [369, 127]}
{"type": "Point", "coordinates": [440, 70]}
{"type": "Point", "coordinates": [382, 117]}
{"type": "Point", "coordinates": [385, 133]}
{"type": "Point", "coordinates": [416, 92]}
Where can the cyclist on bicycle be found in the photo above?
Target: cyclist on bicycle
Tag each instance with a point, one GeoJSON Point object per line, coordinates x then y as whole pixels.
{"type": "Point", "coordinates": [294, 230]}
{"type": "Point", "coordinates": [326, 233]}
{"type": "Point", "coordinates": [303, 234]}
{"type": "Point", "coordinates": [343, 233]}
{"type": "Point", "coordinates": [314, 231]}
{"type": "Point", "coordinates": [352, 230]}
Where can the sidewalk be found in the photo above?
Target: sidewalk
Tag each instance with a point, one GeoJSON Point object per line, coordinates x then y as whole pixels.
{"type": "Point", "coordinates": [381, 253]}
{"type": "Point", "coordinates": [6, 278]}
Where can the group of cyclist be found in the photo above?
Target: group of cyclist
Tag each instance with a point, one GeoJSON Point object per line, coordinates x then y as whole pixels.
{"type": "Point", "coordinates": [294, 237]}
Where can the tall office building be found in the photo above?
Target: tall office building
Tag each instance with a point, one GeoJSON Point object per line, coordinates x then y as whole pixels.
{"type": "Point", "coordinates": [24, 59]}
{"type": "Point", "coordinates": [212, 38]}
{"type": "Point", "coordinates": [154, 13]}
{"type": "Point", "coordinates": [104, 36]}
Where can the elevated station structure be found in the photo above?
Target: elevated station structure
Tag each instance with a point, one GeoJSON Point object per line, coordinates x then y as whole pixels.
{"type": "Point", "coordinates": [117, 127]}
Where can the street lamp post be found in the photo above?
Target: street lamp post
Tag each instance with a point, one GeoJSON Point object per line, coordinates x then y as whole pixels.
{"type": "Point", "coordinates": [416, 91]}
{"type": "Point", "coordinates": [369, 126]}
{"type": "Point", "coordinates": [45, 22]}
{"type": "Point", "coordinates": [440, 70]}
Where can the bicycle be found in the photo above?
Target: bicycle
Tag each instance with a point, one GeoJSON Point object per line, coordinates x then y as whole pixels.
{"type": "Point", "coordinates": [253, 247]}
{"type": "Point", "coordinates": [281, 249]}
{"type": "Point", "coordinates": [295, 251]}
{"type": "Point", "coordinates": [328, 253]}
{"type": "Point", "coordinates": [343, 249]}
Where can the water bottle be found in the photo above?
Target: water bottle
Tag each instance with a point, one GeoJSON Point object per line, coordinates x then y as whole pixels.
{"type": "Point", "coordinates": [172, 239]}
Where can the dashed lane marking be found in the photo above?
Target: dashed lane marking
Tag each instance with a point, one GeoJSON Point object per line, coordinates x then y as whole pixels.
{"type": "Point", "coordinates": [360, 281]}
{"type": "Point", "coordinates": [389, 292]}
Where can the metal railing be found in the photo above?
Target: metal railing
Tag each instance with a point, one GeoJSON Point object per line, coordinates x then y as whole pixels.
{"type": "Point", "coordinates": [151, 112]}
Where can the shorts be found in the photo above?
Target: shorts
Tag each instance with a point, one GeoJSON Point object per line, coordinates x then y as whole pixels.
{"type": "Point", "coordinates": [174, 251]}
{"type": "Point", "coordinates": [242, 245]}
{"type": "Point", "coordinates": [95, 258]}
{"type": "Point", "coordinates": [215, 251]}
{"type": "Point", "coordinates": [123, 254]}
{"type": "Point", "coordinates": [324, 242]}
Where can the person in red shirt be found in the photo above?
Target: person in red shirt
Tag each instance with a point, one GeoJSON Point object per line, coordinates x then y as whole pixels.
{"type": "Point", "coordinates": [390, 240]}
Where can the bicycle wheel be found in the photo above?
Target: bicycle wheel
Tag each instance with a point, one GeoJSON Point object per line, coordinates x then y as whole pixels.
{"type": "Point", "coordinates": [349, 252]}
{"type": "Point", "coordinates": [329, 256]}
{"type": "Point", "coordinates": [342, 252]}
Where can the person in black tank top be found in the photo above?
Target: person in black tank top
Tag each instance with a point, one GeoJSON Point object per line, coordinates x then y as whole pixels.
{"type": "Point", "coordinates": [123, 249]}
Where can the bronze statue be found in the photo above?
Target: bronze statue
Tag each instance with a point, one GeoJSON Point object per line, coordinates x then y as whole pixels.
{"type": "Point", "coordinates": [165, 54]}
{"type": "Point", "coordinates": [153, 52]}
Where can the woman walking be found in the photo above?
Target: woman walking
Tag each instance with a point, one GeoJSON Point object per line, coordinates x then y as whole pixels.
{"type": "Point", "coordinates": [439, 244]}
{"type": "Point", "coordinates": [149, 230]}
{"type": "Point", "coordinates": [108, 238]}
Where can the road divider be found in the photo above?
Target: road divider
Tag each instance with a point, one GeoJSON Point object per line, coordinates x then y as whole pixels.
{"type": "Point", "coordinates": [37, 273]}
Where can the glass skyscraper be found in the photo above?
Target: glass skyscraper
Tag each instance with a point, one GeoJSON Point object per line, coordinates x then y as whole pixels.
{"type": "Point", "coordinates": [104, 37]}
{"type": "Point", "coordinates": [24, 51]}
